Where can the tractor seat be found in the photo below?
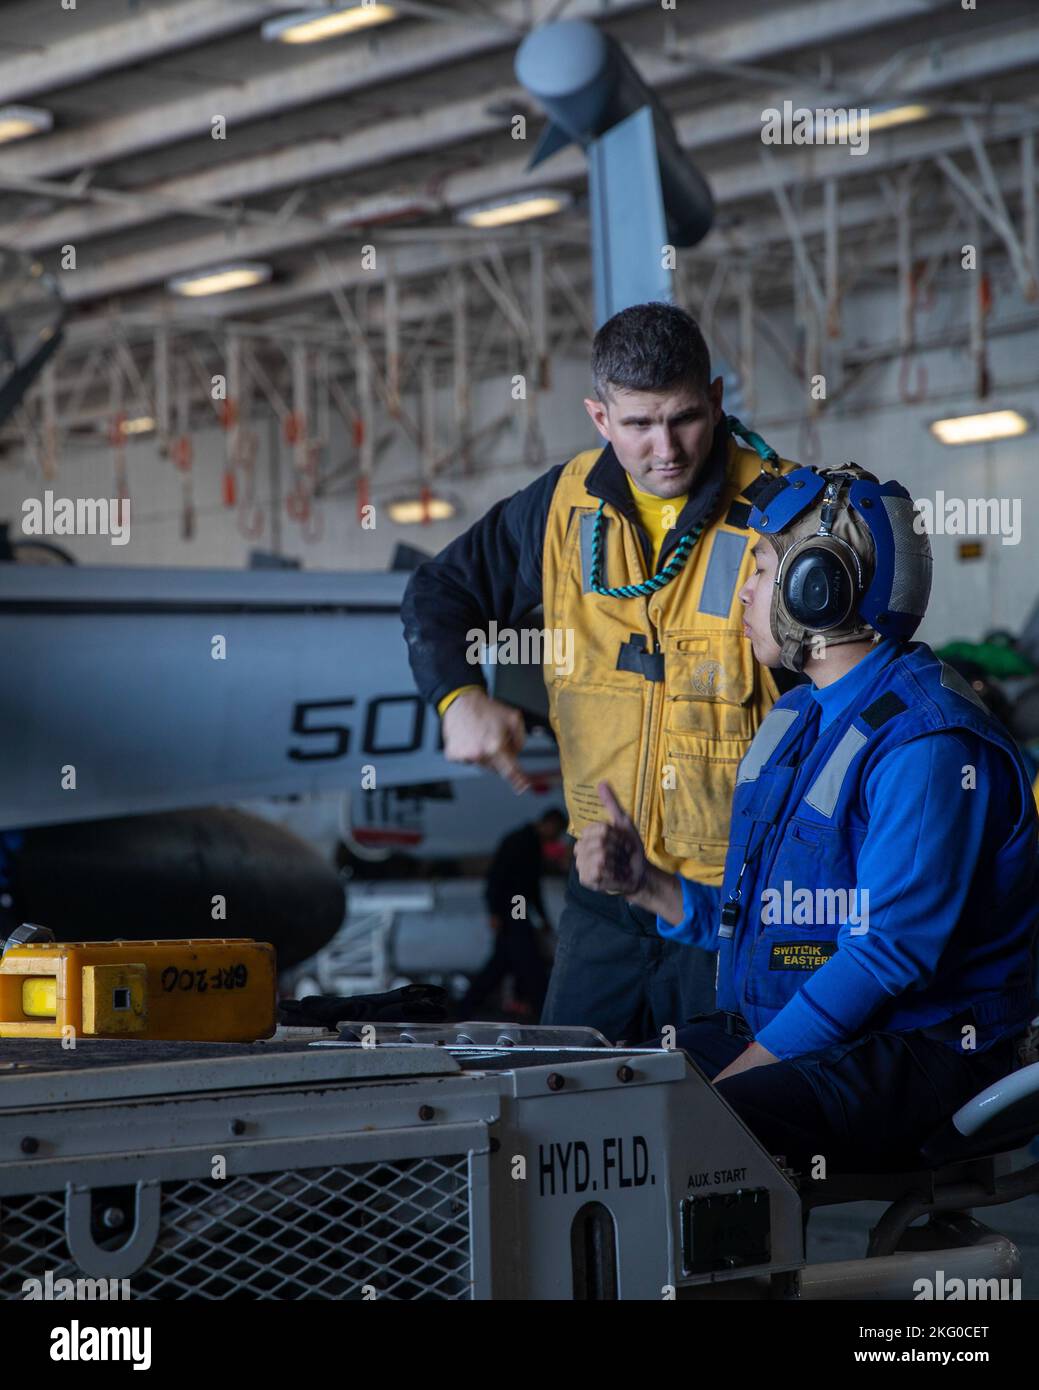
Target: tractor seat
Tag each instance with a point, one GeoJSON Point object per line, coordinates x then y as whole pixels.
{"type": "Point", "coordinates": [1002, 1117]}
{"type": "Point", "coordinates": [966, 1163]}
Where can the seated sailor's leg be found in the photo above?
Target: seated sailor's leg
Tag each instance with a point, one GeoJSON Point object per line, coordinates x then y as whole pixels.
{"type": "Point", "coordinates": [863, 1106]}
{"type": "Point", "coordinates": [711, 1040]}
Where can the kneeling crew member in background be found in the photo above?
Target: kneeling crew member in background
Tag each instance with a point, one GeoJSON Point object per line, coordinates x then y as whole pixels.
{"type": "Point", "coordinates": [878, 907]}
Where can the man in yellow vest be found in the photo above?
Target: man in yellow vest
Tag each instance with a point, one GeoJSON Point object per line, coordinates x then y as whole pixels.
{"type": "Point", "coordinates": [637, 552]}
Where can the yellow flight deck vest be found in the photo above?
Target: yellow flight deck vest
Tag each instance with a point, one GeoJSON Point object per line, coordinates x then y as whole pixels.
{"type": "Point", "coordinates": [666, 733]}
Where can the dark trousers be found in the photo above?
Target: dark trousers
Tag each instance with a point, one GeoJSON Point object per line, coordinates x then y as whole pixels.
{"type": "Point", "coordinates": [516, 953]}
{"type": "Point", "coordinates": [613, 972]}
{"type": "Point", "coordinates": [865, 1106]}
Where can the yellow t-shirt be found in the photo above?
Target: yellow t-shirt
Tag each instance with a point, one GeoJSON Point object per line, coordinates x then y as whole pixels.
{"type": "Point", "coordinates": [657, 516]}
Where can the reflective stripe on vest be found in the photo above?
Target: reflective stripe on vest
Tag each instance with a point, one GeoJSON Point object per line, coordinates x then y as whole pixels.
{"type": "Point", "coordinates": [767, 739]}
{"type": "Point", "coordinates": [826, 788]}
{"type": "Point", "coordinates": [723, 570]}
{"type": "Point", "coordinates": [952, 680]}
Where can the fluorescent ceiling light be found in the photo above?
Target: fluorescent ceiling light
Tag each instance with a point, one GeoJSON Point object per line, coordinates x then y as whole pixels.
{"type": "Point", "coordinates": [140, 424]}
{"type": "Point", "coordinates": [979, 429]}
{"type": "Point", "coordinates": [18, 121]}
{"type": "Point", "coordinates": [884, 117]}
{"type": "Point", "coordinates": [219, 279]}
{"type": "Point", "coordinates": [135, 424]}
{"type": "Point", "coordinates": [408, 511]}
{"type": "Point", "coordinates": [520, 207]}
{"type": "Point", "coordinates": [312, 26]}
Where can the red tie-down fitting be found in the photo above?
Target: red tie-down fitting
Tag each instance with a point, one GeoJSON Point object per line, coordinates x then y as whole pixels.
{"type": "Point", "coordinates": [358, 431]}
{"type": "Point", "coordinates": [362, 496]}
{"type": "Point", "coordinates": [117, 430]}
{"type": "Point", "coordinates": [294, 427]}
{"type": "Point", "coordinates": [181, 452]}
{"type": "Point", "coordinates": [985, 294]}
{"type": "Point", "coordinates": [228, 418]}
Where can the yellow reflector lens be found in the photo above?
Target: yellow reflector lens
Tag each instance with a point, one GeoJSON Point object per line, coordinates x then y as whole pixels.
{"type": "Point", "coordinates": [40, 996]}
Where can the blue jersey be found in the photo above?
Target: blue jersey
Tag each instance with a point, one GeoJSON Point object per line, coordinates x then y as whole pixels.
{"type": "Point", "coordinates": [883, 864]}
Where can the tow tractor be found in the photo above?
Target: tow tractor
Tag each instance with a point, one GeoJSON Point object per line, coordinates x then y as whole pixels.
{"type": "Point", "coordinates": [462, 1161]}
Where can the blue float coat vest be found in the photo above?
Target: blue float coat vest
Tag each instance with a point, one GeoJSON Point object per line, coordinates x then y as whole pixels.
{"type": "Point", "coordinates": [799, 821]}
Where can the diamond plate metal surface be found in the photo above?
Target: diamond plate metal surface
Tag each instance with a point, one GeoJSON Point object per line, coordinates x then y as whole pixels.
{"type": "Point", "coordinates": [398, 1230]}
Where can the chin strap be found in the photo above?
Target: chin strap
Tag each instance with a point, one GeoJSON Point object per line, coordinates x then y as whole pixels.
{"type": "Point", "coordinates": [795, 645]}
{"type": "Point", "coordinates": [792, 653]}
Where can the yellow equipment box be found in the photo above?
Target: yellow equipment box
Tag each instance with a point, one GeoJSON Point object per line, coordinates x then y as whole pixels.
{"type": "Point", "coordinates": [177, 991]}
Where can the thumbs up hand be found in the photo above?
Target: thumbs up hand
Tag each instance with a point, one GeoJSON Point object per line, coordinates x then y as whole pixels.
{"type": "Point", "coordinates": [610, 857]}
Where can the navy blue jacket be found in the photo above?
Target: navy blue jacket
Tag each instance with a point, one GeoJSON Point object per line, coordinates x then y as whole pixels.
{"type": "Point", "coordinates": [890, 840]}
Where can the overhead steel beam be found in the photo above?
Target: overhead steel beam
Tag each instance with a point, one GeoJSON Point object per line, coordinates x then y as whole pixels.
{"type": "Point", "coordinates": [209, 192]}
{"type": "Point", "coordinates": [216, 192]}
{"type": "Point", "coordinates": [148, 33]}
{"type": "Point", "coordinates": [798, 165]}
{"type": "Point", "coordinates": [391, 139]}
{"type": "Point", "coordinates": [902, 145]}
{"type": "Point", "coordinates": [363, 147]}
{"type": "Point", "coordinates": [396, 53]}
{"type": "Point", "coordinates": [857, 211]}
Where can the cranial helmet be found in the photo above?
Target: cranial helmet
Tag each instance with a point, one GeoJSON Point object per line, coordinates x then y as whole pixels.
{"type": "Point", "coordinates": [852, 563]}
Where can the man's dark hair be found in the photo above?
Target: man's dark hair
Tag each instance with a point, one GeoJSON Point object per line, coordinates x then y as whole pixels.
{"type": "Point", "coordinates": [650, 347]}
{"type": "Point", "coordinates": [553, 813]}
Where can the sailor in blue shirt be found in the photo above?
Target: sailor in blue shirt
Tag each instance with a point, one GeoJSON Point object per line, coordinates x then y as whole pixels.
{"type": "Point", "coordinates": [875, 924]}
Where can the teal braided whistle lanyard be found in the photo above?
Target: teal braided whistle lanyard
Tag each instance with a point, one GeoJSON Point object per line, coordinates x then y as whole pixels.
{"type": "Point", "coordinates": [684, 548]}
